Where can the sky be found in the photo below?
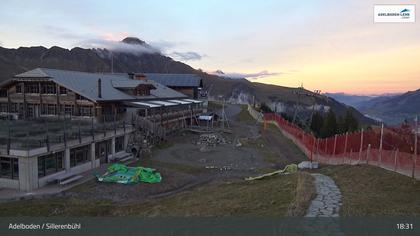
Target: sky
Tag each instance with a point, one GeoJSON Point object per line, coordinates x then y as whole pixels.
{"type": "Point", "coordinates": [327, 45]}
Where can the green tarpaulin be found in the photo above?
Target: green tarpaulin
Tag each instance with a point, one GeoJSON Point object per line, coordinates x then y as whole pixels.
{"type": "Point", "coordinates": [119, 173]}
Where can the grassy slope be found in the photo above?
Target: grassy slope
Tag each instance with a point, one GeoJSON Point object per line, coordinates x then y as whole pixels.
{"type": "Point", "coordinates": [372, 191]}
{"type": "Point", "coordinates": [273, 196]}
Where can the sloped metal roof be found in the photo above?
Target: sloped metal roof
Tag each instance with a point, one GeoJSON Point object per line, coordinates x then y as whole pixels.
{"type": "Point", "coordinates": [86, 84]}
{"type": "Point", "coordinates": [126, 84]}
{"type": "Point", "coordinates": [175, 80]}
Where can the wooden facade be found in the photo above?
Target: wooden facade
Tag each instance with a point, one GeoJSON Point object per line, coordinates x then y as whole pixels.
{"type": "Point", "coordinates": [43, 98]}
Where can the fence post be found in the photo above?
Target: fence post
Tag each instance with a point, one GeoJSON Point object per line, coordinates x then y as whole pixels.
{"type": "Point", "coordinates": [335, 145]}
{"type": "Point", "coordinates": [415, 148]}
{"type": "Point", "coordinates": [326, 145]}
{"type": "Point", "coordinates": [317, 149]}
{"type": "Point", "coordinates": [395, 159]}
{"type": "Point", "coordinates": [380, 144]}
{"type": "Point", "coordinates": [361, 145]}
{"type": "Point", "coordinates": [351, 153]}
{"type": "Point", "coordinates": [368, 154]}
{"type": "Point", "coordinates": [313, 147]}
{"type": "Point", "coordinates": [345, 146]}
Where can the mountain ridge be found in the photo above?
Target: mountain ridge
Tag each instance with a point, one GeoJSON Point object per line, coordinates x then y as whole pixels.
{"type": "Point", "coordinates": [15, 61]}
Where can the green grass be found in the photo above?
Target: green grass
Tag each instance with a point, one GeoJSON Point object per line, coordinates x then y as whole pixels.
{"type": "Point", "coordinates": [305, 193]}
{"type": "Point", "coordinates": [373, 191]}
{"type": "Point", "coordinates": [57, 206]}
{"type": "Point", "coordinates": [274, 196]}
{"type": "Point", "coordinates": [269, 197]}
{"type": "Point", "coordinates": [273, 128]}
{"type": "Point", "coordinates": [244, 115]}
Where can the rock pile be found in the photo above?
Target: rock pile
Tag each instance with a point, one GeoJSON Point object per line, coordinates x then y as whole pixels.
{"type": "Point", "coordinates": [211, 140]}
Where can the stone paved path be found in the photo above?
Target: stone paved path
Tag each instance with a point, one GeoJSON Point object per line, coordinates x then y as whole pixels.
{"type": "Point", "coordinates": [328, 200]}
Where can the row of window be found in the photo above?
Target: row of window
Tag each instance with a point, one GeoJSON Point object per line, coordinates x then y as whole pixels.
{"type": "Point", "coordinates": [9, 168]}
{"type": "Point", "coordinates": [50, 164]}
{"type": "Point", "coordinates": [48, 109]}
{"type": "Point", "coordinates": [45, 88]}
{"type": "Point", "coordinates": [53, 163]}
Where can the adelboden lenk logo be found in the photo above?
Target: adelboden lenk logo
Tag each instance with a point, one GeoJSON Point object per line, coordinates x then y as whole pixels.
{"type": "Point", "coordinates": [394, 13]}
{"type": "Point", "coordinates": [405, 13]}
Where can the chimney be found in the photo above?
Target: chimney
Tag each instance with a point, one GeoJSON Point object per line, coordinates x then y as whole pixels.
{"type": "Point", "coordinates": [99, 88]}
{"type": "Point", "coordinates": [131, 75]}
{"type": "Point", "coordinates": [140, 77]}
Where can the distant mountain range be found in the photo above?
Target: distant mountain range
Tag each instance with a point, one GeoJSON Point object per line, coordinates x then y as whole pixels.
{"type": "Point", "coordinates": [349, 99]}
{"type": "Point", "coordinates": [137, 56]}
{"type": "Point", "coordinates": [393, 109]}
{"type": "Point", "coordinates": [389, 108]}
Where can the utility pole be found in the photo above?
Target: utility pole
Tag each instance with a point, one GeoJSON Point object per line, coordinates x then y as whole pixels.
{"type": "Point", "coordinates": [416, 129]}
{"type": "Point", "coordinates": [361, 145]}
{"type": "Point", "coordinates": [380, 145]}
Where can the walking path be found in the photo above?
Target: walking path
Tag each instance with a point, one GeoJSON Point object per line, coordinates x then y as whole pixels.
{"type": "Point", "coordinates": [328, 200]}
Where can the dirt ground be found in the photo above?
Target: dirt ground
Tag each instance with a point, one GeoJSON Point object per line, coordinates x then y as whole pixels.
{"type": "Point", "coordinates": [248, 151]}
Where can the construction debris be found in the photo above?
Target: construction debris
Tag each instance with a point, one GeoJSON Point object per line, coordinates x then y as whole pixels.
{"type": "Point", "coordinates": [292, 168]}
{"type": "Point", "coordinates": [308, 165]}
{"type": "Point", "coordinates": [219, 168]}
{"type": "Point", "coordinates": [211, 140]}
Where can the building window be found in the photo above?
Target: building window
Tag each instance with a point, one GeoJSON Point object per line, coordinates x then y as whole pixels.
{"type": "Point", "coordinates": [18, 88]}
{"type": "Point", "coordinates": [68, 110]}
{"type": "Point", "coordinates": [30, 110]}
{"type": "Point", "coordinates": [32, 88]}
{"type": "Point", "coordinates": [3, 93]}
{"type": "Point", "coordinates": [79, 156]}
{"type": "Point", "coordinates": [9, 168]}
{"type": "Point", "coordinates": [142, 90]}
{"type": "Point", "coordinates": [119, 144]}
{"type": "Point", "coordinates": [103, 149]}
{"type": "Point", "coordinates": [63, 91]}
{"type": "Point", "coordinates": [78, 97]}
{"type": "Point", "coordinates": [49, 109]}
{"type": "Point", "coordinates": [85, 111]}
{"type": "Point", "coordinates": [13, 108]}
{"type": "Point", "coordinates": [50, 164]}
{"type": "Point", "coordinates": [3, 107]}
{"type": "Point", "coordinates": [49, 89]}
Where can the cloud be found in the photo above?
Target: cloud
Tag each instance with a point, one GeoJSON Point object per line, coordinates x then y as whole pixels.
{"type": "Point", "coordinates": [238, 75]}
{"type": "Point", "coordinates": [186, 56]}
{"type": "Point", "coordinates": [164, 45]}
{"type": "Point", "coordinates": [1, 44]}
{"type": "Point", "coordinates": [118, 46]}
{"type": "Point", "coordinates": [62, 32]}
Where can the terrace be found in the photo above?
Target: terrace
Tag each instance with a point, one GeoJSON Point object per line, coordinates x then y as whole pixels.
{"type": "Point", "coordinates": [31, 137]}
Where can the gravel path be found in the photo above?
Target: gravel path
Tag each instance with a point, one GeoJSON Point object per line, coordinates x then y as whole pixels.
{"type": "Point", "coordinates": [328, 200]}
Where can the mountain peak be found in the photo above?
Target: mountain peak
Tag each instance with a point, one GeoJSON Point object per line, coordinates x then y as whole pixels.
{"type": "Point", "coordinates": [133, 40]}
